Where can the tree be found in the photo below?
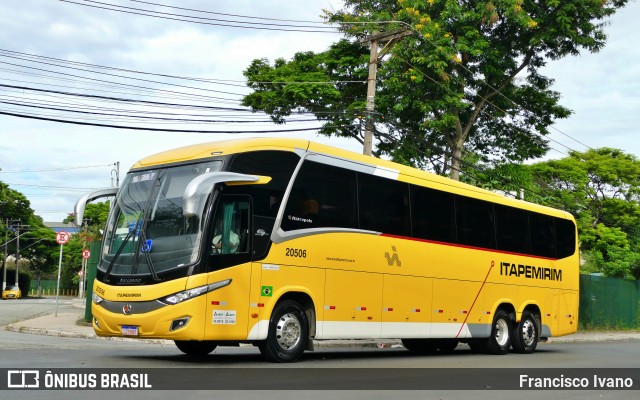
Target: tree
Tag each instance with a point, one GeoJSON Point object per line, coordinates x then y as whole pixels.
{"type": "Point", "coordinates": [95, 217]}
{"type": "Point", "coordinates": [16, 208]}
{"type": "Point", "coordinates": [601, 187]}
{"type": "Point", "coordinates": [41, 251]}
{"type": "Point", "coordinates": [327, 84]}
{"type": "Point", "coordinates": [467, 79]}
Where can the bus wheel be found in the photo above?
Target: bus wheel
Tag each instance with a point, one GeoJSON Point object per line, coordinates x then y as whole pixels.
{"type": "Point", "coordinates": [288, 333]}
{"type": "Point", "coordinates": [196, 348]}
{"type": "Point", "coordinates": [500, 339]}
{"type": "Point", "coordinates": [526, 334]}
{"type": "Point", "coordinates": [421, 346]}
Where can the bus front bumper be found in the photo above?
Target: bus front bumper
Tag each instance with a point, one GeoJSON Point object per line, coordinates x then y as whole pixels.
{"type": "Point", "coordinates": [150, 319]}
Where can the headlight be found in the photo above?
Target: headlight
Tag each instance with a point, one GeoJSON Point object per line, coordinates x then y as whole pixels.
{"type": "Point", "coordinates": [195, 292]}
{"type": "Point", "coordinates": [97, 299]}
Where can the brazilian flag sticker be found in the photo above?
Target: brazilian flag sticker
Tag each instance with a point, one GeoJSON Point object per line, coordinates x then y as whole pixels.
{"type": "Point", "coordinates": [267, 291]}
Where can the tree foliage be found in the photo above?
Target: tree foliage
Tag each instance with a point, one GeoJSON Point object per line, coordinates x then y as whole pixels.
{"type": "Point", "coordinates": [95, 218]}
{"type": "Point", "coordinates": [601, 187]}
{"type": "Point", "coordinates": [465, 80]}
{"type": "Point", "coordinates": [328, 85]}
{"type": "Point", "coordinates": [36, 241]}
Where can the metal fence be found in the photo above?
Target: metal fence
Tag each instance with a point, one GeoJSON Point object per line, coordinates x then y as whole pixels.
{"type": "Point", "coordinates": [609, 303]}
{"type": "Point", "coordinates": [48, 287]}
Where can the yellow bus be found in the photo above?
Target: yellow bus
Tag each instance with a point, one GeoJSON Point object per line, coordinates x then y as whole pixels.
{"type": "Point", "coordinates": [280, 243]}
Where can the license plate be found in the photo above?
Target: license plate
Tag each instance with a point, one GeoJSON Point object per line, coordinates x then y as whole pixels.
{"type": "Point", "coordinates": [130, 330]}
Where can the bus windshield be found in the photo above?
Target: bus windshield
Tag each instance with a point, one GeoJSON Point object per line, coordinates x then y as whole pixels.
{"type": "Point", "coordinates": [147, 233]}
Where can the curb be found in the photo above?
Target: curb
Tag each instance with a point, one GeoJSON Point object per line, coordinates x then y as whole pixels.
{"type": "Point", "coordinates": [48, 332]}
{"type": "Point", "coordinates": [78, 335]}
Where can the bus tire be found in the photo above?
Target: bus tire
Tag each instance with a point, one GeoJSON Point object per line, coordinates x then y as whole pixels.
{"type": "Point", "coordinates": [500, 339]}
{"type": "Point", "coordinates": [196, 347]}
{"type": "Point", "coordinates": [288, 333]}
{"type": "Point", "coordinates": [526, 334]}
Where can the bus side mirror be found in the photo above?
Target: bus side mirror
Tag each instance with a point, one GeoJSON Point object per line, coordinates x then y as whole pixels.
{"type": "Point", "coordinates": [81, 204]}
{"type": "Point", "coordinates": [202, 185]}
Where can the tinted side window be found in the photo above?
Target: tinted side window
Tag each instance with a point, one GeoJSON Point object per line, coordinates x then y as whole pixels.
{"type": "Point", "coordinates": [565, 237]}
{"type": "Point", "coordinates": [322, 196]}
{"type": "Point", "coordinates": [543, 241]}
{"type": "Point", "coordinates": [475, 223]}
{"type": "Point", "coordinates": [384, 205]}
{"type": "Point", "coordinates": [433, 215]}
{"type": "Point", "coordinates": [279, 165]}
{"type": "Point", "coordinates": [512, 229]}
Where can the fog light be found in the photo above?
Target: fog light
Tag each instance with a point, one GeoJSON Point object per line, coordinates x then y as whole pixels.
{"type": "Point", "coordinates": [95, 321]}
{"type": "Point", "coordinates": [179, 323]}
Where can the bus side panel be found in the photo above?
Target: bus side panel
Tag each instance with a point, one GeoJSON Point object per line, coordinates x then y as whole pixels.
{"type": "Point", "coordinates": [484, 306]}
{"type": "Point", "coordinates": [352, 306]}
{"type": "Point", "coordinates": [406, 308]}
{"type": "Point", "coordinates": [568, 312]}
{"type": "Point", "coordinates": [228, 307]}
{"type": "Point", "coordinates": [452, 300]}
{"type": "Point", "coordinates": [279, 280]}
{"type": "Point", "coordinates": [255, 305]}
{"type": "Point", "coordinates": [569, 298]}
{"type": "Point", "coordinates": [530, 295]}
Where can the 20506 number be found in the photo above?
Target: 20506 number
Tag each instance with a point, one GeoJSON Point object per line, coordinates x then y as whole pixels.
{"type": "Point", "coordinates": [302, 253]}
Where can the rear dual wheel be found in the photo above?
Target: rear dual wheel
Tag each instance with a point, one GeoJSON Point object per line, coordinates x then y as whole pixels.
{"type": "Point", "coordinates": [526, 334]}
{"type": "Point", "coordinates": [500, 339]}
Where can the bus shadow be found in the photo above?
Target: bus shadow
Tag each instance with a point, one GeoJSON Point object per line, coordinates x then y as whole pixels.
{"type": "Point", "coordinates": [226, 356]}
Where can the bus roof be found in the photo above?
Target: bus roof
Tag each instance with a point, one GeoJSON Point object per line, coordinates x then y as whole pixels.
{"type": "Point", "coordinates": [405, 173]}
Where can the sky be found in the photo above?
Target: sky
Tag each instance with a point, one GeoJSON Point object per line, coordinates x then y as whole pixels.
{"type": "Point", "coordinates": [53, 163]}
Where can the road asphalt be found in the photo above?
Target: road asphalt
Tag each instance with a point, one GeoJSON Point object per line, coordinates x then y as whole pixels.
{"type": "Point", "coordinates": [72, 324]}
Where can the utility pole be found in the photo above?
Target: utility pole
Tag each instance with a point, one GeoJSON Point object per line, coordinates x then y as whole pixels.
{"type": "Point", "coordinates": [389, 39]}
{"type": "Point", "coordinates": [18, 246]}
{"type": "Point", "coordinates": [4, 262]}
{"type": "Point", "coordinates": [371, 97]}
{"type": "Point", "coordinates": [116, 171]}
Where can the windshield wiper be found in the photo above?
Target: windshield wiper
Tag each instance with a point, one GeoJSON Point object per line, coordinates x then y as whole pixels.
{"type": "Point", "coordinates": [141, 243]}
{"type": "Point", "coordinates": [131, 234]}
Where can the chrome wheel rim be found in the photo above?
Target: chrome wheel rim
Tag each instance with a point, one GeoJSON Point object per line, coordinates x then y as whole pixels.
{"type": "Point", "coordinates": [288, 331]}
{"type": "Point", "coordinates": [528, 332]}
{"type": "Point", "coordinates": [502, 332]}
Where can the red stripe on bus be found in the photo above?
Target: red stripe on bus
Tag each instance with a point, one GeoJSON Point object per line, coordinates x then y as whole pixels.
{"type": "Point", "coordinates": [466, 247]}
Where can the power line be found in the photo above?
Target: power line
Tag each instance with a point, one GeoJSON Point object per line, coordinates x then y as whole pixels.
{"type": "Point", "coordinates": [143, 118]}
{"type": "Point", "coordinates": [205, 80]}
{"type": "Point", "coordinates": [47, 186]}
{"type": "Point", "coordinates": [148, 103]}
{"type": "Point", "coordinates": [162, 129]}
{"type": "Point", "coordinates": [56, 62]}
{"type": "Point", "coordinates": [226, 15]}
{"type": "Point", "coordinates": [53, 169]}
{"type": "Point", "coordinates": [200, 96]}
{"type": "Point", "coordinates": [124, 99]}
{"type": "Point", "coordinates": [206, 21]}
